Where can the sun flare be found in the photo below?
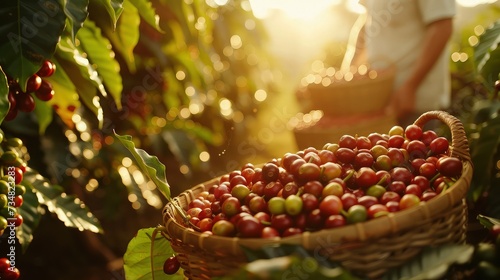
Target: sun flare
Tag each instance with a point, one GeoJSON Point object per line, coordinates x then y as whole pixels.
{"type": "Point", "coordinates": [297, 9]}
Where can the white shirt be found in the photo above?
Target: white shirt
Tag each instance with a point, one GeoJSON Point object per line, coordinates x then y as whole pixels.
{"type": "Point", "coordinates": [394, 32]}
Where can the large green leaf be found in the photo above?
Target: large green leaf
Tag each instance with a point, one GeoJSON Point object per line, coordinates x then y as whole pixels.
{"type": "Point", "coordinates": [482, 153]}
{"type": "Point", "coordinates": [43, 112]}
{"type": "Point", "coordinates": [432, 262]}
{"type": "Point", "coordinates": [82, 74]}
{"type": "Point", "coordinates": [147, 12]}
{"type": "Point", "coordinates": [114, 9]}
{"type": "Point", "coordinates": [487, 42]}
{"type": "Point", "coordinates": [138, 258]}
{"type": "Point", "coordinates": [127, 34]}
{"type": "Point", "coordinates": [487, 55]}
{"type": "Point", "coordinates": [99, 53]}
{"type": "Point", "coordinates": [4, 95]}
{"type": "Point", "coordinates": [150, 165]}
{"type": "Point", "coordinates": [491, 69]}
{"type": "Point", "coordinates": [65, 97]}
{"type": "Point", "coordinates": [76, 12]}
{"type": "Point", "coordinates": [29, 32]}
{"type": "Point", "coordinates": [68, 208]}
{"type": "Point", "coordinates": [31, 213]}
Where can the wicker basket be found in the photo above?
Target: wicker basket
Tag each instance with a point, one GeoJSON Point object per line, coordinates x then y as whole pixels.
{"type": "Point", "coordinates": [369, 249]}
{"type": "Point", "coordinates": [358, 96]}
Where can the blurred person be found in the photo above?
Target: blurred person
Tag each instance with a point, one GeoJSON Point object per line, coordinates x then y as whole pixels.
{"type": "Point", "coordinates": [413, 36]}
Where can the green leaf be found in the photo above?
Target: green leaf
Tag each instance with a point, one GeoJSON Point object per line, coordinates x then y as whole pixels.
{"type": "Point", "coordinates": [488, 222]}
{"type": "Point", "coordinates": [137, 258]}
{"type": "Point", "coordinates": [43, 112]}
{"type": "Point", "coordinates": [4, 95]}
{"type": "Point", "coordinates": [487, 42]}
{"type": "Point", "coordinates": [31, 213]}
{"type": "Point", "coordinates": [149, 165]}
{"type": "Point", "coordinates": [29, 33]}
{"type": "Point", "coordinates": [81, 73]}
{"type": "Point", "coordinates": [482, 153]}
{"type": "Point", "coordinates": [127, 34]}
{"type": "Point", "coordinates": [487, 55]}
{"type": "Point", "coordinates": [99, 53]}
{"type": "Point", "coordinates": [65, 94]}
{"type": "Point", "coordinates": [491, 69]}
{"type": "Point", "coordinates": [76, 12]}
{"type": "Point", "coordinates": [68, 208]}
{"type": "Point", "coordinates": [147, 12]}
{"type": "Point", "coordinates": [114, 9]}
{"type": "Point", "coordinates": [432, 262]}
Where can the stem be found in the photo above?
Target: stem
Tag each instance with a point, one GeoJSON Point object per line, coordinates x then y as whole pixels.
{"type": "Point", "coordinates": [344, 213]}
{"type": "Point", "coordinates": [184, 215]}
{"type": "Point", "coordinates": [434, 178]}
{"type": "Point", "coordinates": [382, 180]}
{"type": "Point", "coordinates": [179, 209]}
{"type": "Point", "coordinates": [349, 175]}
{"type": "Point", "coordinates": [153, 237]}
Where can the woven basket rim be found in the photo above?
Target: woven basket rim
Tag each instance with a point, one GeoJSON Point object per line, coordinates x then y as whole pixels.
{"type": "Point", "coordinates": [383, 76]}
{"type": "Point", "coordinates": [359, 232]}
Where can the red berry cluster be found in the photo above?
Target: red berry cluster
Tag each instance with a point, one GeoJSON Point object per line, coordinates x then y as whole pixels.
{"type": "Point", "coordinates": [7, 271]}
{"type": "Point", "coordinates": [23, 100]}
{"type": "Point", "coordinates": [354, 180]}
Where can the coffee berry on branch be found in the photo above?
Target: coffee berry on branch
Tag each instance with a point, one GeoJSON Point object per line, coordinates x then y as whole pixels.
{"type": "Point", "coordinates": [36, 86]}
{"type": "Point", "coordinates": [13, 164]}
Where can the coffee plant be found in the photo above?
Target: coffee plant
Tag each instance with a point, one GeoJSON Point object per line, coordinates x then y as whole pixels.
{"type": "Point", "coordinates": [174, 74]}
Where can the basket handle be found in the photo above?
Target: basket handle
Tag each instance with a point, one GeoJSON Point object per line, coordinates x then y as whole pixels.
{"type": "Point", "coordinates": [459, 143]}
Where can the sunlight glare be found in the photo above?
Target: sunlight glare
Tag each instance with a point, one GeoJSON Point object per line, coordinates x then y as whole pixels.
{"type": "Point", "coordinates": [221, 2]}
{"type": "Point", "coordinates": [355, 7]}
{"type": "Point", "coordinates": [298, 9]}
{"type": "Point", "coordinates": [473, 3]}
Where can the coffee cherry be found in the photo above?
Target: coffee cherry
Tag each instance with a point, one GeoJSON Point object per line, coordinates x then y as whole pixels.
{"type": "Point", "coordinates": [270, 172]}
{"type": "Point", "coordinates": [4, 264]}
{"type": "Point", "coordinates": [33, 83]}
{"type": "Point", "coordinates": [449, 166]}
{"type": "Point", "coordinates": [413, 132]}
{"type": "Point", "coordinates": [18, 220]}
{"type": "Point", "coordinates": [25, 102]}
{"type": "Point", "coordinates": [171, 265]}
{"type": "Point", "coordinates": [11, 114]}
{"type": "Point", "coordinates": [361, 178]}
{"type": "Point", "coordinates": [223, 228]}
{"type": "Point", "coordinates": [45, 91]}
{"type": "Point", "coordinates": [48, 68]}
{"type": "Point", "coordinates": [11, 274]}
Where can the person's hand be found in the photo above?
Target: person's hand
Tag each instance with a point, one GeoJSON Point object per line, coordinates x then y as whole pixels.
{"type": "Point", "coordinates": [403, 102]}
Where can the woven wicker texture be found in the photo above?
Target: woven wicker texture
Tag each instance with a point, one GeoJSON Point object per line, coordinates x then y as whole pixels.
{"type": "Point", "coordinates": [358, 96]}
{"type": "Point", "coordinates": [370, 248]}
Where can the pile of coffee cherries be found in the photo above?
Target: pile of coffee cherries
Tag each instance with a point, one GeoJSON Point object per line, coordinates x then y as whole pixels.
{"type": "Point", "coordinates": [23, 100]}
{"type": "Point", "coordinates": [356, 179]}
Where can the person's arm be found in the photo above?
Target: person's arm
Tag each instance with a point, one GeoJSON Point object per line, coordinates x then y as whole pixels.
{"type": "Point", "coordinates": [436, 37]}
{"type": "Point", "coordinates": [355, 53]}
